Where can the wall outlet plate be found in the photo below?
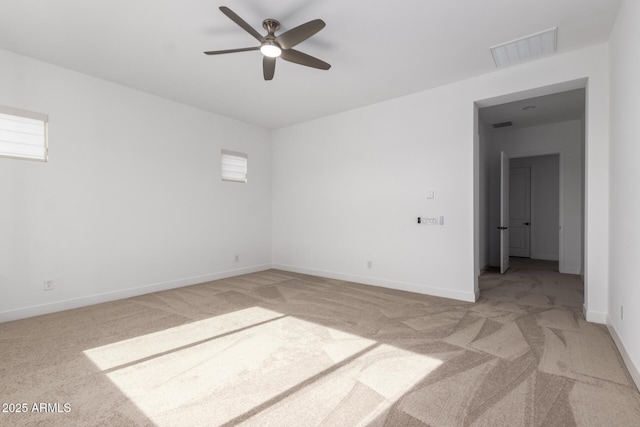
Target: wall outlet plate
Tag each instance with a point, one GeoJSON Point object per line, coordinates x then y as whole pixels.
{"type": "Point", "coordinates": [48, 285]}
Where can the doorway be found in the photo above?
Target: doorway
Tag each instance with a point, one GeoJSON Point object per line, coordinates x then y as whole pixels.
{"type": "Point", "coordinates": [551, 145]}
{"type": "Point", "coordinates": [534, 208]}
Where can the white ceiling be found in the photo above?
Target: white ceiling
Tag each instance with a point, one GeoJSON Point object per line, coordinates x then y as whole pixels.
{"type": "Point", "coordinates": [378, 49]}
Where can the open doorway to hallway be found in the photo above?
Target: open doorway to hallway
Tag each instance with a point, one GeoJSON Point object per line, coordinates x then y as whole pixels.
{"type": "Point", "coordinates": [544, 138]}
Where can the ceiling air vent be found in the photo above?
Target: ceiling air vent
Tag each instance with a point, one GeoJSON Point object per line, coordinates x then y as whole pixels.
{"type": "Point", "coordinates": [502, 125]}
{"type": "Point", "coordinates": [526, 48]}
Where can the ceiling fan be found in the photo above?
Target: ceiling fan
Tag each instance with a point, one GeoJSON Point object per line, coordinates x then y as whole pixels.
{"type": "Point", "coordinates": [272, 46]}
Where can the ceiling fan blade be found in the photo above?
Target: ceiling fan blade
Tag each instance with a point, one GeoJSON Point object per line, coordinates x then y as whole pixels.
{"type": "Point", "coordinates": [241, 22]}
{"type": "Point", "coordinates": [298, 57]}
{"type": "Point", "coordinates": [296, 35]}
{"type": "Point", "coordinates": [268, 67]}
{"type": "Point", "coordinates": [220, 52]}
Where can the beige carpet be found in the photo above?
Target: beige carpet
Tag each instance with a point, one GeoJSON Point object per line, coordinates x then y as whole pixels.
{"type": "Point", "coordinates": [283, 349]}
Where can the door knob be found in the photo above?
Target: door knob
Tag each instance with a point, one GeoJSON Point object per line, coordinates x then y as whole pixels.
{"type": "Point", "coordinates": [526, 223]}
{"type": "Point", "coordinates": [503, 228]}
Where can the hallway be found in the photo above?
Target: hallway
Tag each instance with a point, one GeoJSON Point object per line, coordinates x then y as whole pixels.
{"type": "Point", "coordinates": [533, 283]}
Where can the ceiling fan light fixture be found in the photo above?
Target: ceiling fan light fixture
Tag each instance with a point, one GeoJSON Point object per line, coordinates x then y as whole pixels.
{"type": "Point", "coordinates": [270, 49]}
{"type": "Point", "coordinates": [272, 46]}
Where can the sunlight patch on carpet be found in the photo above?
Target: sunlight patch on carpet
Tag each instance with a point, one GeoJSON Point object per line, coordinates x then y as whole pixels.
{"type": "Point", "coordinates": [261, 366]}
{"type": "Point", "coordinates": [138, 348]}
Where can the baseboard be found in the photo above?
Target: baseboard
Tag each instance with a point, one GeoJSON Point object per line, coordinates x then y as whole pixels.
{"type": "Point", "coordinates": [633, 369]}
{"type": "Point", "coordinates": [483, 270]}
{"type": "Point", "coordinates": [570, 270]}
{"type": "Point", "coordinates": [53, 307]}
{"type": "Point", "coordinates": [401, 286]}
{"type": "Point", "coordinates": [594, 316]}
{"type": "Point", "coordinates": [545, 257]}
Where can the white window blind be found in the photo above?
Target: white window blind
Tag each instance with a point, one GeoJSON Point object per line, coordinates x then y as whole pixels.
{"type": "Point", "coordinates": [234, 166]}
{"type": "Point", "coordinates": [23, 134]}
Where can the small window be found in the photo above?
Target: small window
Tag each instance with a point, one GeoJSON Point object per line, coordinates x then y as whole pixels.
{"type": "Point", "coordinates": [23, 134]}
{"type": "Point", "coordinates": [234, 166]}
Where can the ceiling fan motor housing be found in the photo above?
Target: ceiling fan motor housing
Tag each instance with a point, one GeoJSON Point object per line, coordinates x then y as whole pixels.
{"type": "Point", "coordinates": [271, 25]}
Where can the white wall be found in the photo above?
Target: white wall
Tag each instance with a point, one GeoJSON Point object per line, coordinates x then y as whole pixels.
{"type": "Point", "coordinates": [625, 182]}
{"type": "Point", "coordinates": [348, 187]}
{"type": "Point", "coordinates": [545, 205]}
{"type": "Point", "coordinates": [564, 138]}
{"type": "Point", "coordinates": [131, 199]}
{"type": "Point", "coordinates": [483, 197]}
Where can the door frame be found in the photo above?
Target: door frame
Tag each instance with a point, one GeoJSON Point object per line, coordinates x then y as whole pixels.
{"type": "Point", "coordinates": [505, 181]}
{"type": "Point", "coordinates": [594, 128]}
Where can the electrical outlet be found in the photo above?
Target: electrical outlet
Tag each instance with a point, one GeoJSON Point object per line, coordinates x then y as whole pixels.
{"type": "Point", "coordinates": [621, 312]}
{"type": "Point", "coordinates": [237, 258]}
{"type": "Point", "coordinates": [48, 285]}
{"type": "Point", "coordinates": [369, 264]}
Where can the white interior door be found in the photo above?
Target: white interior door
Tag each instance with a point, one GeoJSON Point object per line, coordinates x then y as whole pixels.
{"type": "Point", "coordinates": [504, 212]}
{"type": "Point", "coordinates": [520, 212]}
